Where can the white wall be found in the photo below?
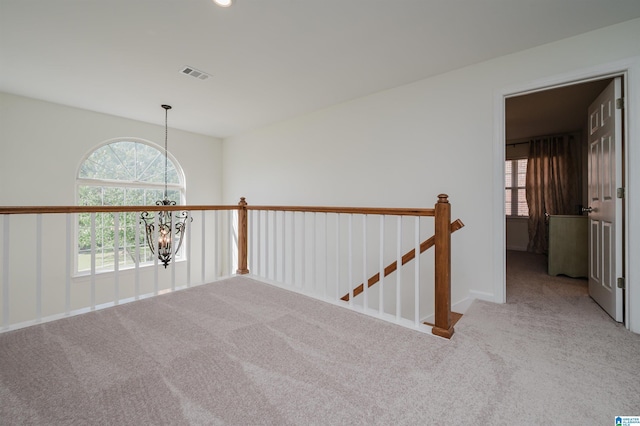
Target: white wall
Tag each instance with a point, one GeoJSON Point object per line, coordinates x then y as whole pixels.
{"type": "Point", "coordinates": [402, 147]}
{"type": "Point", "coordinates": [42, 145]}
{"type": "Point", "coordinates": [517, 233]}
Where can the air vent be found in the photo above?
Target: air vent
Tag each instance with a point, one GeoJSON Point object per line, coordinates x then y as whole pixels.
{"type": "Point", "coordinates": [200, 75]}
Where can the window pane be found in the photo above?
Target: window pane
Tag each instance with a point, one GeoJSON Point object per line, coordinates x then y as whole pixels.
{"type": "Point", "coordinates": [522, 166]}
{"type": "Point", "coordinates": [129, 161]}
{"type": "Point", "coordinates": [522, 172]}
{"type": "Point", "coordinates": [523, 208]}
{"type": "Point", "coordinates": [154, 172]}
{"type": "Point", "coordinates": [134, 197]}
{"type": "Point", "coordinates": [84, 238]}
{"type": "Point", "coordinates": [113, 197]}
{"type": "Point", "coordinates": [104, 164]}
{"type": "Point", "coordinates": [152, 196]}
{"type": "Point", "coordinates": [174, 195]}
{"type": "Point", "coordinates": [125, 153]}
{"type": "Point", "coordinates": [90, 196]}
{"type": "Point", "coordinates": [515, 192]}
{"type": "Point", "coordinates": [507, 203]}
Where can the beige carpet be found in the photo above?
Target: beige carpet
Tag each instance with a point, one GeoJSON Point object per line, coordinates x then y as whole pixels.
{"type": "Point", "coordinates": [244, 353]}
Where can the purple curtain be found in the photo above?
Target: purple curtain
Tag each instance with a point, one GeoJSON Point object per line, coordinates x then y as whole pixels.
{"type": "Point", "coordinates": [552, 184]}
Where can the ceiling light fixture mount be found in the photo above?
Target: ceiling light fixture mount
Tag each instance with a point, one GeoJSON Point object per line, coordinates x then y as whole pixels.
{"type": "Point", "coordinates": [223, 3]}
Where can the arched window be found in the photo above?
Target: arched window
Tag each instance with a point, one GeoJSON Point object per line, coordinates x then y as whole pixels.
{"type": "Point", "coordinates": [122, 172]}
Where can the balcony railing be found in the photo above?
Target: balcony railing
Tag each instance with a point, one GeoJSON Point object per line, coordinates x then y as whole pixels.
{"type": "Point", "coordinates": [324, 252]}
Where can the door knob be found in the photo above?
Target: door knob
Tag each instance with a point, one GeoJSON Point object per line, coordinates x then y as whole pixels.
{"type": "Point", "coordinates": [587, 209]}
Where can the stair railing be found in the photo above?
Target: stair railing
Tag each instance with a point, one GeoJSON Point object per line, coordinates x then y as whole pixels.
{"type": "Point", "coordinates": [282, 245]}
{"type": "Point", "coordinates": [39, 282]}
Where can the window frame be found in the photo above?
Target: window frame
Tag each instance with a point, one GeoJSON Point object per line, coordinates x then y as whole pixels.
{"type": "Point", "coordinates": [125, 184]}
{"type": "Point", "coordinates": [514, 189]}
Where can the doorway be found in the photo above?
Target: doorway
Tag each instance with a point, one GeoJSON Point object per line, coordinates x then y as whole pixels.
{"type": "Point", "coordinates": [561, 110]}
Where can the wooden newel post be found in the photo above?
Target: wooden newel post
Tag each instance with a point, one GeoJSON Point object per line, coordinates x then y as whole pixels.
{"type": "Point", "coordinates": [242, 237]}
{"type": "Point", "coordinates": [443, 325]}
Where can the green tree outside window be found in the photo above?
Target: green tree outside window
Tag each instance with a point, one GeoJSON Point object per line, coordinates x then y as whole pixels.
{"type": "Point", "coordinates": [122, 172]}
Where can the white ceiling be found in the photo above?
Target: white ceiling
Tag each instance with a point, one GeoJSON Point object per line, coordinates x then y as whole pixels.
{"type": "Point", "coordinates": [269, 59]}
{"type": "Point", "coordinates": [550, 112]}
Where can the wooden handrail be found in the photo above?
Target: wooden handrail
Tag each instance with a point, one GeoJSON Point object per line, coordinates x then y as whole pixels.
{"type": "Point", "coordinates": [350, 210]}
{"type": "Point", "coordinates": [105, 209]}
{"type": "Point", "coordinates": [154, 208]}
{"type": "Point", "coordinates": [409, 256]}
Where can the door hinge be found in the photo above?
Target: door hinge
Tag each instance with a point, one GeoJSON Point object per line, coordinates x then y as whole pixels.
{"type": "Point", "coordinates": [620, 103]}
{"type": "Point", "coordinates": [620, 192]}
{"type": "Point", "coordinates": [621, 283]}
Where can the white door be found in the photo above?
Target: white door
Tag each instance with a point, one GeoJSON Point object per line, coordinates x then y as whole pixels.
{"type": "Point", "coordinates": [605, 208]}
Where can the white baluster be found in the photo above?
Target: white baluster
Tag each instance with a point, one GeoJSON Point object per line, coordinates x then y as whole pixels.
{"type": "Point", "coordinates": [416, 286]}
{"type": "Point", "coordinates": [137, 257]}
{"type": "Point", "coordinates": [116, 258]}
{"type": "Point", "coordinates": [337, 256]}
{"type": "Point", "coordinates": [267, 270]}
{"type": "Point", "coordinates": [314, 260]}
{"type": "Point", "coordinates": [399, 269]}
{"type": "Point", "coordinates": [93, 261]}
{"type": "Point", "coordinates": [67, 276]}
{"type": "Point", "coordinates": [5, 270]}
{"type": "Point", "coordinates": [326, 255]}
{"type": "Point", "coordinates": [231, 221]}
{"type": "Point", "coordinates": [350, 258]}
{"type": "Point", "coordinates": [38, 267]}
{"type": "Point", "coordinates": [381, 283]}
{"type": "Point", "coordinates": [155, 258]}
{"type": "Point", "coordinates": [274, 246]}
{"type": "Point", "coordinates": [365, 281]}
{"type": "Point", "coordinates": [258, 267]}
{"type": "Point", "coordinates": [293, 249]}
{"type": "Point", "coordinates": [188, 248]}
{"type": "Point", "coordinates": [173, 252]}
{"type": "Point", "coordinates": [203, 246]}
{"type": "Point", "coordinates": [303, 249]}
{"type": "Point", "coordinates": [283, 244]}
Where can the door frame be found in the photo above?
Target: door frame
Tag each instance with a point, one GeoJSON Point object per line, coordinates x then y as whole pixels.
{"type": "Point", "coordinates": [629, 69]}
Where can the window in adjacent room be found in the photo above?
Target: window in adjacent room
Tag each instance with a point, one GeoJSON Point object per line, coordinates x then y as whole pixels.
{"type": "Point", "coordinates": [515, 172]}
{"type": "Point", "coordinates": [122, 172]}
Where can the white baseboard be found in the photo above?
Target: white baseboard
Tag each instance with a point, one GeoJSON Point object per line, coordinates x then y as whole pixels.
{"type": "Point", "coordinates": [482, 295]}
{"type": "Point", "coordinates": [462, 305]}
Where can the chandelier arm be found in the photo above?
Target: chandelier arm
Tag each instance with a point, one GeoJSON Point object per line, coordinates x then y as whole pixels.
{"type": "Point", "coordinates": [181, 227]}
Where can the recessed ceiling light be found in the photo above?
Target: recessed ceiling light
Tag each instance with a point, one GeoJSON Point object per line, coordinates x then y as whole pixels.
{"type": "Point", "coordinates": [223, 3]}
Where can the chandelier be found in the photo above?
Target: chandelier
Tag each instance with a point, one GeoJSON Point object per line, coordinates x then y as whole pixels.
{"type": "Point", "coordinates": [171, 224]}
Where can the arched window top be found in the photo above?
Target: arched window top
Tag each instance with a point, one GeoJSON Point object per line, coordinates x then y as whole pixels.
{"type": "Point", "coordinates": [130, 160]}
{"type": "Point", "coordinates": [122, 172]}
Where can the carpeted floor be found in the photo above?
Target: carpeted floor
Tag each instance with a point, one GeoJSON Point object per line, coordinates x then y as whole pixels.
{"type": "Point", "coordinates": [241, 352]}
